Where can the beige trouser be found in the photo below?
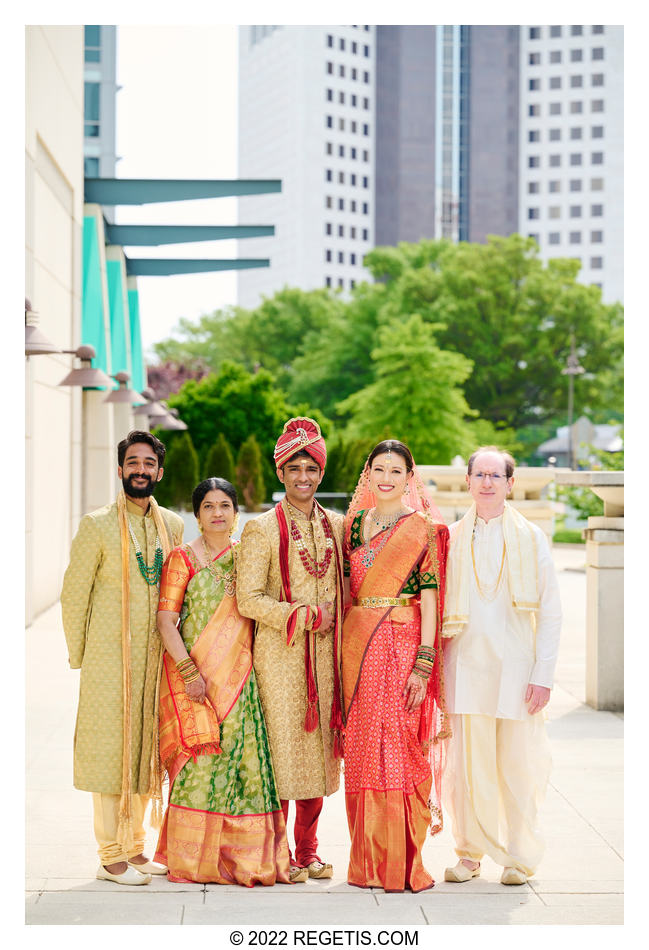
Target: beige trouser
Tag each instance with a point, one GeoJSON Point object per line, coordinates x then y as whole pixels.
{"type": "Point", "coordinates": [106, 820]}
{"type": "Point", "coordinates": [495, 779]}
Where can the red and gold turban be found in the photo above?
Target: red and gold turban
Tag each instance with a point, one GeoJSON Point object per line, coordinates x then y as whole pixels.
{"type": "Point", "coordinates": [300, 434]}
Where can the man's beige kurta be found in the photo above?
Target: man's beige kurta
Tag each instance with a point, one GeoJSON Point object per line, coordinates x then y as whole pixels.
{"type": "Point", "coordinates": [91, 603]}
{"type": "Point", "coordinates": [304, 763]}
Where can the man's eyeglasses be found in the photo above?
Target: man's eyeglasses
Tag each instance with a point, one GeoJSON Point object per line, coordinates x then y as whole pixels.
{"type": "Point", "coordinates": [494, 478]}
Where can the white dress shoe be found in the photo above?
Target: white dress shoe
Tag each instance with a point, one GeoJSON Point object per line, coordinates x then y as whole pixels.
{"type": "Point", "coordinates": [460, 873]}
{"type": "Point", "coordinates": [149, 868]}
{"type": "Point", "coordinates": [513, 876]}
{"type": "Point", "coordinates": [129, 876]}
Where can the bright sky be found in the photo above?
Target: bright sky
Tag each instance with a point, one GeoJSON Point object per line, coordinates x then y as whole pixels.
{"type": "Point", "coordinates": [177, 118]}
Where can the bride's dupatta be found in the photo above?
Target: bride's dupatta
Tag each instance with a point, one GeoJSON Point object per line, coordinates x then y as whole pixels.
{"type": "Point", "coordinates": [223, 654]}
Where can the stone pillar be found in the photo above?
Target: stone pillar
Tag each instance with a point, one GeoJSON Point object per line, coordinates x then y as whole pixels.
{"type": "Point", "coordinates": [99, 450]}
{"type": "Point", "coordinates": [604, 590]}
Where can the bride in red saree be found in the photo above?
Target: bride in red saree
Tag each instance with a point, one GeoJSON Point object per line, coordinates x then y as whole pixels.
{"type": "Point", "coordinates": [395, 549]}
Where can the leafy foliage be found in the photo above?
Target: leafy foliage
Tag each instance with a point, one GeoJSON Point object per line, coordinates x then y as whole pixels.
{"type": "Point", "coordinates": [180, 471]}
{"type": "Point", "coordinates": [249, 474]}
{"type": "Point", "coordinates": [220, 461]}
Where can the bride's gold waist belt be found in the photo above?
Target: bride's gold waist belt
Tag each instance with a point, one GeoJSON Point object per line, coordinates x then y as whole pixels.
{"type": "Point", "coordinates": [382, 602]}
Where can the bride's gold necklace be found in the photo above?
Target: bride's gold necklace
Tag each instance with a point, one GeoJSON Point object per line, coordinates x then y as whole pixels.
{"type": "Point", "coordinates": [488, 594]}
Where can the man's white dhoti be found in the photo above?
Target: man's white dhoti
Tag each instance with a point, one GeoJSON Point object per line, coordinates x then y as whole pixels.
{"type": "Point", "coordinates": [494, 782]}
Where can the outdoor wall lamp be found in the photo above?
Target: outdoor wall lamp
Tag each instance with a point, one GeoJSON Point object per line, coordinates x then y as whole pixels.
{"type": "Point", "coordinates": [86, 376]}
{"type": "Point", "coordinates": [123, 394]}
{"type": "Point", "coordinates": [35, 341]}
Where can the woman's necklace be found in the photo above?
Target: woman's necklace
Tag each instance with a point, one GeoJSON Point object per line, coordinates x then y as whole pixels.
{"type": "Point", "coordinates": [315, 568]}
{"type": "Point", "coordinates": [488, 594]}
{"type": "Point", "coordinates": [368, 554]}
{"type": "Point", "coordinates": [228, 577]}
{"type": "Point", "coordinates": [151, 574]}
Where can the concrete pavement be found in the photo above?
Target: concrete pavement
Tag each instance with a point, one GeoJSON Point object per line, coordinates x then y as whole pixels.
{"type": "Point", "coordinates": [580, 880]}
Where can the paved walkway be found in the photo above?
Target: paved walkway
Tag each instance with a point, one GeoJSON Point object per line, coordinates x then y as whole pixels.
{"type": "Point", "coordinates": [580, 880]}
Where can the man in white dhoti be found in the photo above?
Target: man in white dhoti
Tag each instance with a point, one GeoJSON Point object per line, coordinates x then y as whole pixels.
{"type": "Point", "coordinates": [502, 619]}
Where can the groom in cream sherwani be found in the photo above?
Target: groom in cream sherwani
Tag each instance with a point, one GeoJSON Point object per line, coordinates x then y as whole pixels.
{"type": "Point", "coordinates": [502, 619]}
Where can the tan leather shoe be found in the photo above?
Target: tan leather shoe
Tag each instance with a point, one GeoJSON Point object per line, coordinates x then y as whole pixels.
{"type": "Point", "coordinates": [317, 869]}
{"type": "Point", "coordinates": [460, 873]}
{"type": "Point", "coordinates": [150, 867]}
{"type": "Point", "coordinates": [513, 876]}
{"type": "Point", "coordinates": [129, 876]}
{"type": "Point", "coordinates": [298, 875]}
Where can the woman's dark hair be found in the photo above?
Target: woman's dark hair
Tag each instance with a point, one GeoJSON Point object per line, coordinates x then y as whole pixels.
{"type": "Point", "coordinates": [213, 484]}
{"type": "Point", "coordinates": [392, 445]}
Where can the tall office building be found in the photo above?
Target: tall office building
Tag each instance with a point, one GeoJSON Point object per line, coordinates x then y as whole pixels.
{"type": "Point", "coordinates": [384, 134]}
{"type": "Point", "coordinates": [572, 148]}
{"type": "Point", "coordinates": [99, 100]}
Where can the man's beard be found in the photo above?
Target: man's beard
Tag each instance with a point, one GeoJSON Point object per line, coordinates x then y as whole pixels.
{"type": "Point", "coordinates": [136, 491]}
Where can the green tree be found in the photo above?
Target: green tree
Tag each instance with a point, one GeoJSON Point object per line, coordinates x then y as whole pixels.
{"type": "Point", "coordinates": [249, 474]}
{"type": "Point", "coordinates": [220, 461]}
{"type": "Point", "coordinates": [416, 395]}
{"type": "Point", "coordinates": [180, 471]}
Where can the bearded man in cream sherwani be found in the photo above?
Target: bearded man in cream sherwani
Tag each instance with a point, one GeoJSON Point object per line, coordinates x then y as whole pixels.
{"type": "Point", "coordinates": [502, 619]}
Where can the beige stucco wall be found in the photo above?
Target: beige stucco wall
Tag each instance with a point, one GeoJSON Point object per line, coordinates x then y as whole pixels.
{"type": "Point", "coordinates": [53, 231]}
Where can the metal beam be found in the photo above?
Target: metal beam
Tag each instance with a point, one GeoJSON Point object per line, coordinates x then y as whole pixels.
{"type": "Point", "coordinates": [163, 267]}
{"type": "Point", "coordinates": [140, 191]}
{"type": "Point", "coordinates": [152, 235]}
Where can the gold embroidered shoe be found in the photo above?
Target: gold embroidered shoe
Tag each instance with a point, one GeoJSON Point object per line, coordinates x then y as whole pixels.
{"type": "Point", "coordinates": [298, 875]}
{"type": "Point", "coordinates": [460, 873]}
{"type": "Point", "coordinates": [513, 876]}
{"type": "Point", "coordinates": [129, 876]}
{"type": "Point", "coordinates": [317, 869]}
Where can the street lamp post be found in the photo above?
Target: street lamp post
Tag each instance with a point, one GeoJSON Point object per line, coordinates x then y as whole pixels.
{"type": "Point", "coordinates": [571, 370]}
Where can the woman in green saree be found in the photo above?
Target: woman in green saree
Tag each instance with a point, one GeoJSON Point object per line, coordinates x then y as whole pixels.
{"type": "Point", "coordinates": [224, 822]}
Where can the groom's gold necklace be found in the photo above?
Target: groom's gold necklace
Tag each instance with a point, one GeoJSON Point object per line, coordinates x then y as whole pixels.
{"type": "Point", "coordinates": [488, 595]}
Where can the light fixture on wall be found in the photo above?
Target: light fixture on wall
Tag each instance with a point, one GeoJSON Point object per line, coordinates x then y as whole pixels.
{"type": "Point", "coordinates": [36, 343]}
{"type": "Point", "coordinates": [165, 418]}
{"type": "Point", "coordinates": [123, 394]}
{"type": "Point", "coordinates": [86, 376]}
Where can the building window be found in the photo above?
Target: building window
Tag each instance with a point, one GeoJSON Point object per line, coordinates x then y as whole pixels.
{"type": "Point", "coordinates": [535, 33]}
{"type": "Point", "coordinates": [91, 101]}
{"type": "Point", "coordinates": [341, 151]}
{"type": "Point", "coordinates": [366, 103]}
{"type": "Point", "coordinates": [341, 204]}
{"type": "Point", "coordinates": [330, 68]}
{"type": "Point", "coordinates": [341, 230]}
{"type": "Point", "coordinates": [354, 100]}
{"type": "Point", "coordinates": [555, 82]}
{"type": "Point", "coordinates": [576, 132]}
{"type": "Point", "coordinates": [575, 211]}
{"type": "Point", "coordinates": [328, 201]}
{"type": "Point", "coordinates": [354, 47]}
{"type": "Point", "coordinates": [534, 85]}
{"type": "Point", "coordinates": [328, 175]}
{"type": "Point", "coordinates": [352, 205]}
{"type": "Point", "coordinates": [352, 233]}
{"type": "Point", "coordinates": [555, 161]}
{"type": "Point", "coordinates": [534, 136]}
{"type": "Point", "coordinates": [340, 282]}
{"type": "Point", "coordinates": [555, 32]}
{"type": "Point", "coordinates": [554, 186]}
{"type": "Point", "coordinates": [597, 79]}
{"type": "Point", "coordinates": [597, 158]}
{"type": "Point", "coordinates": [366, 77]}
{"type": "Point", "coordinates": [329, 148]}
{"type": "Point", "coordinates": [555, 56]}
{"type": "Point", "coordinates": [534, 110]}
{"type": "Point", "coordinates": [329, 122]}
{"type": "Point", "coordinates": [533, 214]}
{"type": "Point", "coordinates": [327, 255]}
{"type": "Point", "coordinates": [597, 29]}
{"type": "Point", "coordinates": [90, 167]}
{"type": "Point", "coordinates": [330, 95]}
{"type": "Point", "coordinates": [352, 153]}
{"type": "Point", "coordinates": [341, 71]}
{"type": "Point", "coordinates": [533, 161]}
{"type": "Point", "coordinates": [596, 237]}
{"type": "Point", "coordinates": [341, 125]}
{"type": "Point", "coordinates": [533, 187]}
{"type": "Point", "coordinates": [91, 130]}
{"type": "Point", "coordinates": [554, 237]}
{"type": "Point", "coordinates": [366, 51]}
{"type": "Point", "coordinates": [554, 211]}
{"type": "Point", "coordinates": [330, 40]}
{"type": "Point", "coordinates": [92, 43]}
{"type": "Point", "coordinates": [597, 132]}
{"type": "Point", "coordinates": [366, 208]}
{"type": "Point", "coordinates": [535, 237]}
{"type": "Point", "coordinates": [575, 184]}
{"type": "Point", "coordinates": [597, 105]}
{"type": "Point", "coordinates": [328, 281]}
{"type": "Point", "coordinates": [576, 107]}
{"type": "Point", "coordinates": [328, 227]}
{"type": "Point", "coordinates": [597, 211]}
{"type": "Point", "coordinates": [597, 52]}
{"type": "Point", "coordinates": [352, 259]}
{"type": "Point", "coordinates": [354, 73]}
{"type": "Point", "coordinates": [341, 257]}
{"type": "Point", "coordinates": [535, 59]}
{"type": "Point", "coordinates": [597, 263]}
{"type": "Point", "coordinates": [597, 184]}
{"type": "Point", "coordinates": [576, 55]}
{"type": "Point", "coordinates": [366, 181]}
{"type": "Point", "coordinates": [366, 129]}
{"type": "Point", "coordinates": [555, 135]}
{"type": "Point", "coordinates": [576, 82]}
{"type": "Point", "coordinates": [341, 98]}
{"type": "Point", "coordinates": [576, 30]}
{"type": "Point", "coordinates": [352, 284]}
{"type": "Point", "coordinates": [555, 108]}
{"type": "Point", "coordinates": [353, 126]}
{"type": "Point", "coordinates": [575, 237]}
{"type": "Point", "coordinates": [341, 43]}
{"type": "Point", "coordinates": [352, 179]}
{"type": "Point", "coordinates": [366, 155]}
{"type": "Point", "coordinates": [366, 234]}
{"type": "Point", "coordinates": [341, 178]}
